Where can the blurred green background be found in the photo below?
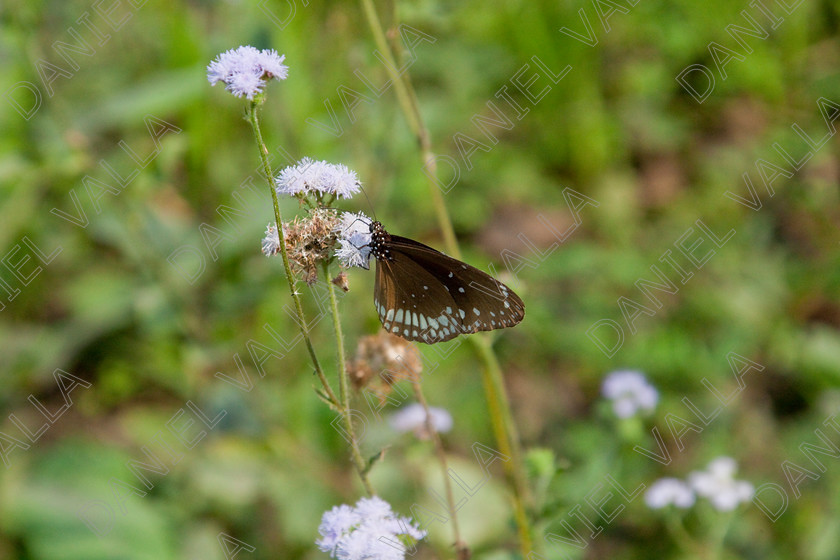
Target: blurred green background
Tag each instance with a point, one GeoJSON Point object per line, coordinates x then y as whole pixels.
{"type": "Point", "coordinates": [141, 295]}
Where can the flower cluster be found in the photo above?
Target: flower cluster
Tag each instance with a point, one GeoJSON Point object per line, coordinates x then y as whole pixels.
{"type": "Point", "coordinates": [412, 418]}
{"type": "Point", "coordinates": [669, 491]}
{"type": "Point", "coordinates": [629, 392]}
{"type": "Point", "coordinates": [368, 530]}
{"type": "Point", "coordinates": [312, 240]}
{"type": "Point", "coordinates": [245, 70]}
{"type": "Point", "coordinates": [309, 241]}
{"type": "Point", "coordinates": [717, 483]}
{"type": "Point", "coordinates": [354, 240]}
{"type": "Point", "coordinates": [319, 178]}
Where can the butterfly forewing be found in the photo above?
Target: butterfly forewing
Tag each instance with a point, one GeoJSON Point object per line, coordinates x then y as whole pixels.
{"type": "Point", "coordinates": [417, 310]}
{"type": "Point", "coordinates": [422, 294]}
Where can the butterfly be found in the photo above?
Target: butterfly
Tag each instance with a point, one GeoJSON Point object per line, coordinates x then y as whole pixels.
{"type": "Point", "coordinates": [422, 294]}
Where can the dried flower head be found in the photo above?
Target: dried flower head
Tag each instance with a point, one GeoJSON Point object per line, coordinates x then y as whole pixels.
{"type": "Point", "coordinates": [245, 70]}
{"type": "Point", "coordinates": [309, 241]}
{"type": "Point", "coordinates": [341, 281]}
{"type": "Point", "coordinates": [387, 356]}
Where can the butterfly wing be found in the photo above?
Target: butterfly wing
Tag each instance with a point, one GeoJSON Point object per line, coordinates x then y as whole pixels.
{"type": "Point", "coordinates": [411, 302]}
{"type": "Point", "coordinates": [422, 294]}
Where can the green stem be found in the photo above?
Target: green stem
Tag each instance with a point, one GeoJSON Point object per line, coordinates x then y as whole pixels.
{"type": "Point", "coordinates": [686, 543]}
{"type": "Point", "coordinates": [269, 177]}
{"type": "Point", "coordinates": [507, 438]}
{"type": "Point", "coordinates": [461, 548]}
{"type": "Point", "coordinates": [720, 526]}
{"type": "Point", "coordinates": [344, 394]}
{"type": "Point", "coordinates": [411, 109]}
{"type": "Point", "coordinates": [504, 428]}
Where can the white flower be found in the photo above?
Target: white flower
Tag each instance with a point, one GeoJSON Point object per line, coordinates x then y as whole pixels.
{"type": "Point", "coordinates": [271, 241]}
{"type": "Point", "coordinates": [718, 484]}
{"type": "Point", "coordinates": [368, 530]}
{"type": "Point", "coordinates": [354, 240]}
{"type": "Point", "coordinates": [413, 418]}
{"type": "Point", "coordinates": [335, 523]}
{"type": "Point", "coordinates": [630, 392]}
{"type": "Point", "coordinates": [308, 176]}
{"type": "Point", "coordinates": [244, 70]}
{"type": "Point", "coordinates": [669, 491]}
{"type": "Point", "coordinates": [375, 507]}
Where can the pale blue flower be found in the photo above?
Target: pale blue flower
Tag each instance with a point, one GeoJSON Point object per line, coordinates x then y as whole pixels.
{"type": "Point", "coordinates": [335, 523]}
{"type": "Point", "coordinates": [341, 181]}
{"type": "Point", "coordinates": [309, 176]}
{"type": "Point", "coordinates": [669, 491]}
{"type": "Point", "coordinates": [244, 85]}
{"type": "Point", "coordinates": [370, 530]}
{"type": "Point", "coordinates": [369, 542]}
{"type": "Point", "coordinates": [405, 526]}
{"type": "Point", "coordinates": [412, 418]}
{"type": "Point", "coordinates": [354, 240]}
{"type": "Point", "coordinates": [245, 70]}
{"type": "Point", "coordinates": [373, 508]}
{"type": "Point", "coordinates": [629, 392]}
{"type": "Point", "coordinates": [718, 484]}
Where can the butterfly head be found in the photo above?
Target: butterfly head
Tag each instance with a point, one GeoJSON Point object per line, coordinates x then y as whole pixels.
{"type": "Point", "coordinates": [379, 239]}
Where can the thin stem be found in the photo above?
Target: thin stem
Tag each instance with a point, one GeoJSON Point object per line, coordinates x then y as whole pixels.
{"type": "Point", "coordinates": [720, 526]}
{"type": "Point", "coordinates": [504, 428]}
{"type": "Point", "coordinates": [685, 542]}
{"type": "Point", "coordinates": [253, 118]}
{"type": "Point", "coordinates": [507, 438]}
{"type": "Point", "coordinates": [461, 548]}
{"type": "Point", "coordinates": [344, 394]}
{"type": "Point", "coordinates": [411, 111]}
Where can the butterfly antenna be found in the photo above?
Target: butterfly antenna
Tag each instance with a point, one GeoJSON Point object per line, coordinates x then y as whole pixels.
{"type": "Point", "coordinates": [372, 211]}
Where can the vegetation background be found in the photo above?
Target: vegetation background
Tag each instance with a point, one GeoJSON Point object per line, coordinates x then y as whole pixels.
{"type": "Point", "coordinates": [149, 329]}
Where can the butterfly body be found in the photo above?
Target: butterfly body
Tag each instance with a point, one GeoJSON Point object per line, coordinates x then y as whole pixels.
{"type": "Point", "coordinates": [422, 294]}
